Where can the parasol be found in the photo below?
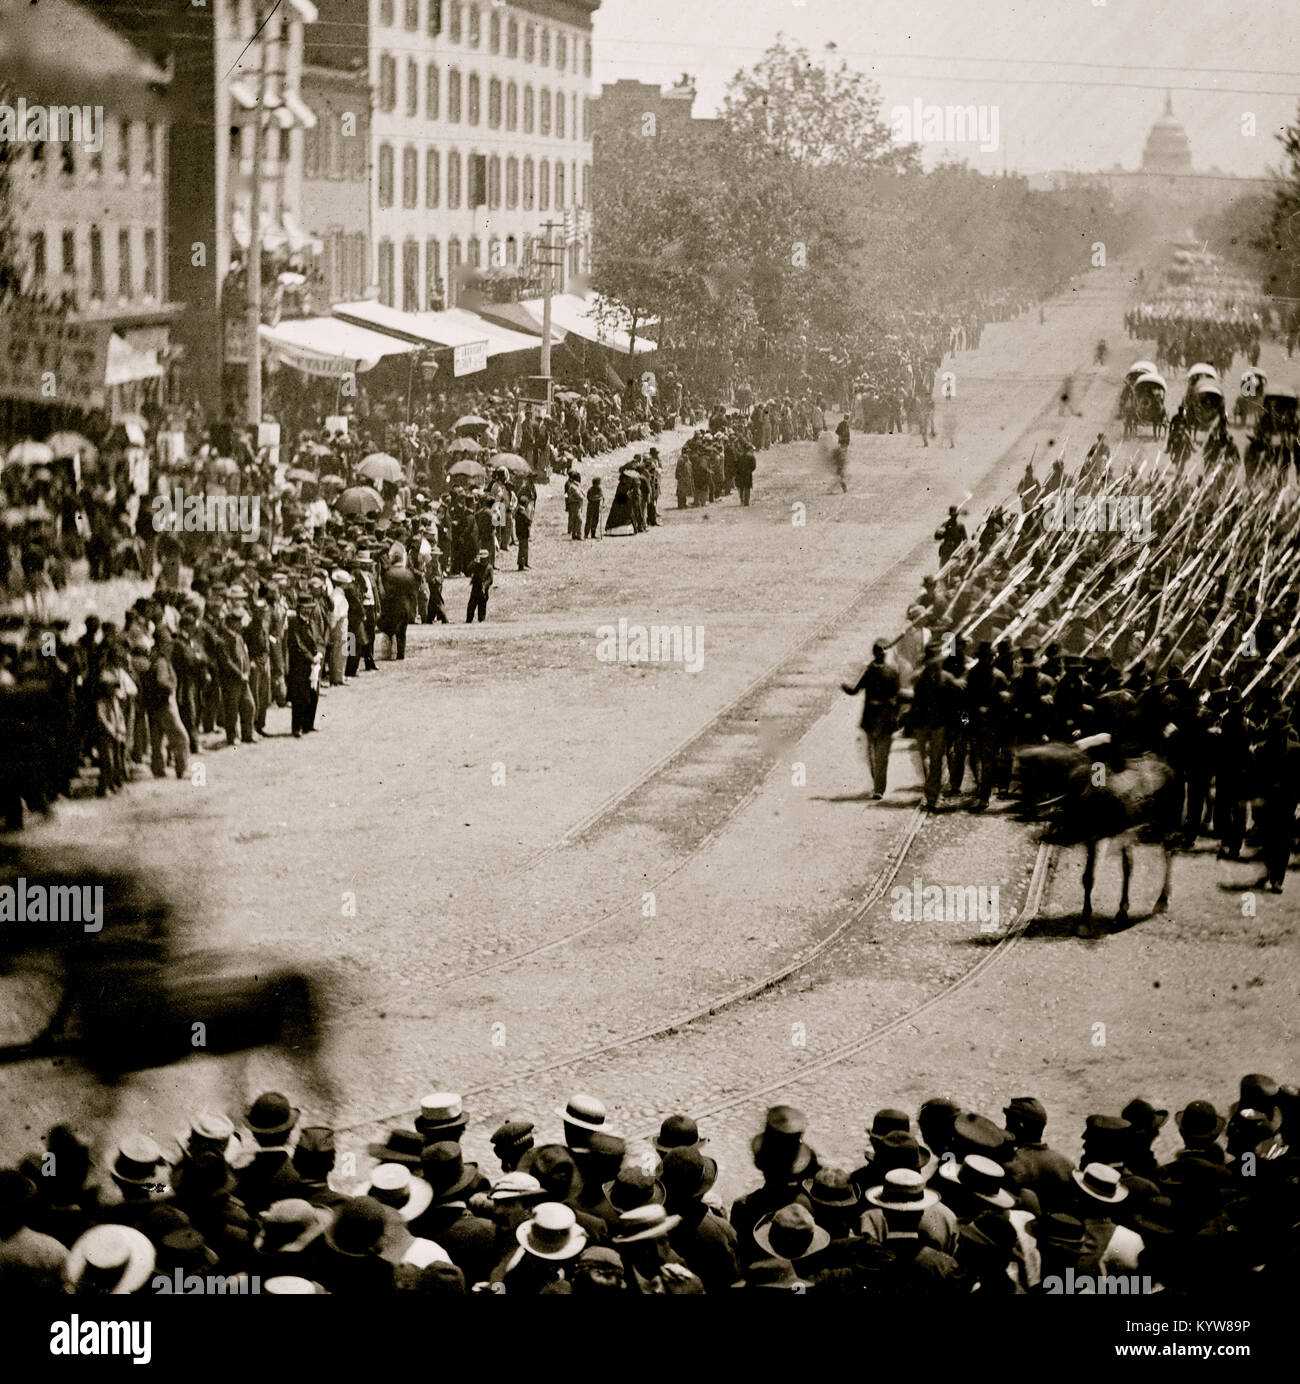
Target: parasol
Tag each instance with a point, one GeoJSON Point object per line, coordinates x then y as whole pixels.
{"type": "Point", "coordinates": [360, 499]}
{"type": "Point", "coordinates": [300, 473]}
{"type": "Point", "coordinates": [29, 453]}
{"type": "Point", "coordinates": [513, 463]}
{"type": "Point", "coordinates": [467, 468]}
{"type": "Point", "coordinates": [379, 466]}
{"type": "Point", "coordinates": [470, 422]}
{"type": "Point", "coordinates": [332, 481]}
{"type": "Point", "coordinates": [71, 444]}
{"type": "Point", "coordinates": [465, 446]}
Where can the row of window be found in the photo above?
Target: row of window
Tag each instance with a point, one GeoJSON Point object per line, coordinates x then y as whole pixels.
{"type": "Point", "coordinates": [43, 271]}
{"type": "Point", "coordinates": [465, 101]}
{"type": "Point", "coordinates": [478, 178]}
{"type": "Point", "coordinates": [464, 24]}
{"type": "Point", "coordinates": [329, 153]}
{"type": "Point", "coordinates": [130, 145]}
{"type": "Point", "coordinates": [439, 292]}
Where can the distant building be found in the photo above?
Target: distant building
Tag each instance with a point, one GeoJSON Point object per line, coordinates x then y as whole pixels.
{"type": "Point", "coordinates": [336, 181]}
{"type": "Point", "coordinates": [1168, 188]}
{"type": "Point", "coordinates": [90, 221]}
{"type": "Point", "coordinates": [630, 107]}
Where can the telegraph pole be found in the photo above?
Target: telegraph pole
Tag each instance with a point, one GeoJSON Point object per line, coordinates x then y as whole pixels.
{"type": "Point", "coordinates": [547, 288]}
{"type": "Point", "coordinates": [253, 276]}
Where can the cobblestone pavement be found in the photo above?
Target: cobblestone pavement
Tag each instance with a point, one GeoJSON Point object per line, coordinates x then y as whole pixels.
{"type": "Point", "coordinates": [510, 853]}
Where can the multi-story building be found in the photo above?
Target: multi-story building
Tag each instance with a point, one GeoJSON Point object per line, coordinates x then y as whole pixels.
{"type": "Point", "coordinates": [480, 132]}
{"type": "Point", "coordinates": [642, 108]}
{"type": "Point", "coordinates": [88, 203]}
{"type": "Point", "coordinates": [336, 180]}
{"type": "Point", "coordinates": [233, 69]}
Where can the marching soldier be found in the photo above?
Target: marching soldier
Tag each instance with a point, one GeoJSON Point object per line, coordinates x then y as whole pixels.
{"type": "Point", "coordinates": [879, 682]}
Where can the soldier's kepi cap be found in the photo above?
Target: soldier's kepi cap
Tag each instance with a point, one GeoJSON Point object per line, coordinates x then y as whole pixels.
{"type": "Point", "coordinates": [1027, 1109]}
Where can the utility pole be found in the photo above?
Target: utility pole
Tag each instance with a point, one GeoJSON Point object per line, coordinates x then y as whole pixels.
{"type": "Point", "coordinates": [253, 277]}
{"type": "Point", "coordinates": [547, 289]}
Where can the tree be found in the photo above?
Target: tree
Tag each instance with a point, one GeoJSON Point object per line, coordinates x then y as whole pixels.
{"type": "Point", "coordinates": [1280, 244]}
{"type": "Point", "coordinates": [791, 107]}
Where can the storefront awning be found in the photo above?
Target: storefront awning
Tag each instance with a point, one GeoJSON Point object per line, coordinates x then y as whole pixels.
{"type": "Point", "coordinates": [467, 340]}
{"type": "Point", "coordinates": [127, 365]}
{"type": "Point", "coordinates": [501, 341]}
{"type": "Point", "coordinates": [578, 316]}
{"type": "Point", "coordinates": [329, 347]}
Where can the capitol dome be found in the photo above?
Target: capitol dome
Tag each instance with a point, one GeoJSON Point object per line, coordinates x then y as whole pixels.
{"type": "Point", "coordinates": [1168, 149]}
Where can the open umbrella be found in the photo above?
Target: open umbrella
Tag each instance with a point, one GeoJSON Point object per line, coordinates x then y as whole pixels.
{"type": "Point", "coordinates": [314, 449]}
{"type": "Point", "coordinates": [71, 444]}
{"type": "Point", "coordinates": [361, 499]}
{"type": "Point", "coordinates": [332, 482]}
{"type": "Point", "coordinates": [300, 473]}
{"type": "Point", "coordinates": [379, 466]}
{"type": "Point", "coordinates": [29, 453]}
{"type": "Point", "coordinates": [513, 463]}
{"type": "Point", "coordinates": [467, 468]}
{"type": "Point", "coordinates": [465, 446]}
{"type": "Point", "coordinates": [470, 422]}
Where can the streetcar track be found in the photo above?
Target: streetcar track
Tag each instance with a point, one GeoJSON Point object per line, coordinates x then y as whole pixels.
{"type": "Point", "coordinates": [1028, 912]}
{"type": "Point", "coordinates": [875, 892]}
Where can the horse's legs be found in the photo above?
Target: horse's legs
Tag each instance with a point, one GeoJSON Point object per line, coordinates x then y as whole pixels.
{"type": "Point", "coordinates": [1089, 871]}
{"type": "Point", "coordinates": [1126, 873]}
{"type": "Point", "coordinates": [1167, 884]}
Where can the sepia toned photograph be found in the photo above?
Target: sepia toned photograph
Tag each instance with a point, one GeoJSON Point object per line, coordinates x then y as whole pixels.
{"type": "Point", "coordinates": [861, 870]}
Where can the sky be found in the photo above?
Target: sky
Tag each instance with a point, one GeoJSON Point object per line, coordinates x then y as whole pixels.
{"type": "Point", "coordinates": [1071, 84]}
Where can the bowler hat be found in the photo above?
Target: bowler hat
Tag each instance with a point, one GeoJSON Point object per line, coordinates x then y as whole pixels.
{"type": "Point", "coordinates": [688, 1173]}
{"type": "Point", "coordinates": [833, 1188]}
{"type": "Point", "coordinates": [1200, 1122]}
{"type": "Point", "coordinates": [443, 1166]}
{"type": "Point", "coordinates": [271, 1113]}
{"type": "Point", "coordinates": [633, 1186]}
{"type": "Point", "coordinates": [1058, 1232]}
{"type": "Point", "coordinates": [358, 1227]}
{"type": "Point", "coordinates": [678, 1132]}
{"type": "Point", "coordinates": [890, 1122]}
{"type": "Point", "coordinates": [1143, 1116]}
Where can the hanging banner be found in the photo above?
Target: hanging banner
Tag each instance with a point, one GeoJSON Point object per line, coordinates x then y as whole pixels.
{"type": "Point", "coordinates": [470, 358]}
{"type": "Point", "coordinates": [45, 358]}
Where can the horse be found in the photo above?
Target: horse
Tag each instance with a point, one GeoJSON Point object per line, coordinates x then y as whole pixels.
{"type": "Point", "coordinates": [120, 992]}
{"type": "Point", "coordinates": [1090, 794]}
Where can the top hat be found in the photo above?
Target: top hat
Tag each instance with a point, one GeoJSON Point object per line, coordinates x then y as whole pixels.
{"type": "Point", "coordinates": [890, 1122]}
{"type": "Point", "coordinates": [780, 1145]}
{"type": "Point", "coordinates": [444, 1168]}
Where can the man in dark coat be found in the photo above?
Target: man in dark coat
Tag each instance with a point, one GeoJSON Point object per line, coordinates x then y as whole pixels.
{"type": "Point", "coordinates": [746, 462]}
{"type": "Point", "coordinates": [399, 604]}
{"type": "Point", "coordinates": [269, 1176]}
{"type": "Point", "coordinates": [879, 711]}
{"type": "Point", "coordinates": [235, 669]}
{"type": "Point", "coordinates": [480, 587]}
{"type": "Point", "coordinates": [526, 491]}
{"type": "Point", "coordinates": [303, 671]}
{"type": "Point", "coordinates": [935, 699]}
